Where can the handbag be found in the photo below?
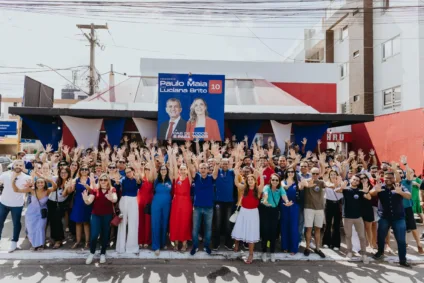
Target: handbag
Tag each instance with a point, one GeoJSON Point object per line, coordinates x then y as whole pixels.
{"type": "Point", "coordinates": [233, 217]}
{"type": "Point", "coordinates": [148, 209]}
{"type": "Point", "coordinates": [116, 220]}
{"type": "Point", "coordinates": [43, 211]}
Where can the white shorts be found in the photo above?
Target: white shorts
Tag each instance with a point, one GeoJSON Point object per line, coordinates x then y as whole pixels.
{"type": "Point", "coordinates": [314, 218]}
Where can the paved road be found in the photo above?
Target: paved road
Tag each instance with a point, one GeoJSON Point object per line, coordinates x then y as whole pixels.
{"type": "Point", "coordinates": [128, 271]}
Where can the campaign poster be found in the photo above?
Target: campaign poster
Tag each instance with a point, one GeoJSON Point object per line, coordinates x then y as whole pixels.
{"type": "Point", "coordinates": [191, 107]}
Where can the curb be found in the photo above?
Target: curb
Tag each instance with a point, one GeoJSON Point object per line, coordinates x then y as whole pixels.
{"type": "Point", "coordinates": [171, 255]}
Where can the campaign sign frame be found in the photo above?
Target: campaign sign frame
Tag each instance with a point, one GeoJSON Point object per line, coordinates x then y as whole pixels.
{"type": "Point", "coordinates": [191, 106]}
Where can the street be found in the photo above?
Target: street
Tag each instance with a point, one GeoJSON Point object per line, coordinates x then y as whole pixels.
{"type": "Point", "coordinates": [151, 271]}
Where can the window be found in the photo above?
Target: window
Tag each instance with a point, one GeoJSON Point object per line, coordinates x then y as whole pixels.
{"type": "Point", "coordinates": [356, 98]}
{"type": "Point", "coordinates": [343, 70]}
{"type": "Point", "coordinates": [356, 54]}
{"type": "Point", "coordinates": [391, 47]}
{"type": "Point", "coordinates": [392, 97]}
{"type": "Point", "coordinates": [344, 33]}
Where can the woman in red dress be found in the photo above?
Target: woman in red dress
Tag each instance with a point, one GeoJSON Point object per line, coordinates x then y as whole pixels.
{"type": "Point", "coordinates": [145, 197]}
{"type": "Point", "coordinates": [182, 208]}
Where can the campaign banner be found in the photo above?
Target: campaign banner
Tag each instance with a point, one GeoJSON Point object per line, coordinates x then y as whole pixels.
{"type": "Point", "coordinates": [191, 106]}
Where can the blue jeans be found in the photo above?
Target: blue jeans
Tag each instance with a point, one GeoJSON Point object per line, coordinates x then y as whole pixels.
{"type": "Point", "coordinates": [399, 230]}
{"type": "Point", "coordinates": [207, 214]}
{"type": "Point", "coordinates": [16, 219]}
{"type": "Point", "coordinates": [99, 226]}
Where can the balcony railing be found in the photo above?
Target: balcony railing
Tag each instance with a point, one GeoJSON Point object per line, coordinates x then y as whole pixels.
{"type": "Point", "coordinates": [346, 108]}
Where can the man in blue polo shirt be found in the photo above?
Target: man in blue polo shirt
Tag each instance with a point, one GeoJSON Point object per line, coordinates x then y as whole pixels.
{"type": "Point", "coordinates": [392, 214]}
{"type": "Point", "coordinates": [203, 192]}
{"type": "Point", "coordinates": [224, 201]}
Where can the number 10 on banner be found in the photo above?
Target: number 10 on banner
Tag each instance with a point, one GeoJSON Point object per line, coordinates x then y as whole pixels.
{"type": "Point", "coordinates": [215, 86]}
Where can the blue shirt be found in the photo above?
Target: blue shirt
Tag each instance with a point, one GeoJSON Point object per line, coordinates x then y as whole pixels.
{"type": "Point", "coordinates": [203, 191]}
{"type": "Point", "coordinates": [129, 187]}
{"type": "Point", "coordinates": [225, 186]}
{"type": "Point", "coordinates": [408, 185]}
{"type": "Point", "coordinates": [390, 205]}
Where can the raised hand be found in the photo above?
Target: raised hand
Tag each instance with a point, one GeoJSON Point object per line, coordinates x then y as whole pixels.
{"type": "Point", "coordinates": [398, 188]}
{"type": "Point", "coordinates": [187, 144]}
{"type": "Point", "coordinates": [352, 154]}
{"type": "Point", "coordinates": [155, 141]}
{"type": "Point", "coordinates": [133, 145]}
{"type": "Point", "coordinates": [304, 141]}
{"type": "Point", "coordinates": [49, 148]}
{"type": "Point", "coordinates": [65, 150]}
{"type": "Point", "coordinates": [366, 188]}
{"type": "Point", "coordinates": [319, 142]}
{"type": "Point", "coordinates": [109, 195]}
{"type": "Point", "coordinates": [126, 139]}
{"type": "Point", "coordinates": [403, 159]}
{"type": "Point", "coordinates": [205, 146]}
{"type": "Point", "coordinates": [308, 154]}
{"type": "Point", "coordinates": [105, 138]}
{"type": "Point", "coordinates": [234, 138]}
{"type": "Point", "coordinates": [378, 186]}
{"type": "Point", "coordinates": [322, 157]}
{"type": "Point", "coordinates": [372, 152]}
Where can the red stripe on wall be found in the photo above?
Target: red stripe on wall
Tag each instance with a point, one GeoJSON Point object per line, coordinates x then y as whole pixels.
{"type": "Point", "coordinates": [322, 97]}
{"type": "Point", "coordinates": [393, 135]}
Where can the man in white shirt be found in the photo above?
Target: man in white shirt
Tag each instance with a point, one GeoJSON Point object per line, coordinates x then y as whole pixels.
{"type": "Point", "coordinates": [176, 126]}
{"type": "Point", "coordinates": [13, 202]}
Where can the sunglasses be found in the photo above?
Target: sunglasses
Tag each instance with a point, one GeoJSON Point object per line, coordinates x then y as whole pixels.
{"type": "Point", "coordinates": [274, 180]}
{"type": "Point", "coordinates": [103, 180]}
{"type": "Point", "coordinates": [315, 173]}
{"type": "Point", "coordinates": [303, 166]}
{"type": "Point", "coordinates": [328, 167]}
{"type": "Point", "coordinates": [290, 171]}
{"type": "Point", "coordinates": [84, 169]}
{"type": "Point", "coordinates": [363, 178]}
{"type": "Point", "coordinates": [112, 167]}
{"type": "Point", "coordinates": [128, 172]}
{"type": "Point", "coordinates": [121, 161]}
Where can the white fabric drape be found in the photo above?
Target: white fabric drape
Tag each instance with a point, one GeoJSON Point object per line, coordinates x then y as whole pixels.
{"type": "Point", "coordinates": [85, 131]}
{"type": "Point", "coordinates": [282, 133]}
{"type": "Point", "coordinates": [146, 128]}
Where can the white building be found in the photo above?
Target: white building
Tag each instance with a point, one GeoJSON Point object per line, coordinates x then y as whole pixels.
{"type": "Point", "coordinates": [377, 45]}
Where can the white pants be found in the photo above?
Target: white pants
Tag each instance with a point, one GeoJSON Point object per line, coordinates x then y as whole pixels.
{"type": "Point", "coordinates": [129, 209]}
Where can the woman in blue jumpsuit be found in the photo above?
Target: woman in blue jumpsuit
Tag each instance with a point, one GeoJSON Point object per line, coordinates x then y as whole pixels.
{"type": "Point", "coordinates": [290, 215]}
{"type": "Point", "coordinates": [161, 207]}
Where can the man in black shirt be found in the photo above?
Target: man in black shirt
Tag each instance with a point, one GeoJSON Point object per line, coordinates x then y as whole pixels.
{"type": "Point", "coordinates": [282, 166]}
{"type": "Point", "coordinates": [392, 214]}
{"type": "Point", "coordinates": [352, 215]}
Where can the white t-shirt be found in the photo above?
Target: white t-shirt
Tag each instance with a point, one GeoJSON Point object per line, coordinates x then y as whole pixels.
{"type": "Point", "coordinates": [9, 197]}
{"type": "Point", "coordinates": [60, 197]}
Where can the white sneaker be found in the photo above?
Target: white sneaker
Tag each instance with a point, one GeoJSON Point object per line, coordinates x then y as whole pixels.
{"type": "Point", "coordinates": [264, 258]}
{"type": "Point", "coordinates": [89, 259]}
{"type": "Point", "coordinates": [157, 252]}
{"type": "Point", "coordinates": [325, 246]}
{"type": "Point", "coordinates": [13, 246]}
{"type": "Point", "coordinates": [272, 257]}
{"type": "Point", "coordinates": [102, 259]}
{"type": "Point", "coordinates": [365, 259]}
{"type": "Point", "coordinates": [335, 248]}
{"type": "Point", "coordinates": [349, 256]}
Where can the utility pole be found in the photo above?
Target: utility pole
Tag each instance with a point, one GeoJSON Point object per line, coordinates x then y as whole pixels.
{"type": "Point", "coordinates": [93, 42]}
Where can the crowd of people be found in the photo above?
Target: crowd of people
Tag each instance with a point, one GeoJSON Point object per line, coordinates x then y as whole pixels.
{"type": "Point", "coordinates": [147, 194]}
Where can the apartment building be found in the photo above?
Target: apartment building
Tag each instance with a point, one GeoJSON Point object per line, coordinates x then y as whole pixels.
{"type": "Point", "coordinates": [377, 46]}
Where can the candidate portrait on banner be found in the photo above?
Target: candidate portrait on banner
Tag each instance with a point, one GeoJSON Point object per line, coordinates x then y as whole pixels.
{"type": "Point", "coordinates": [176, 124]}
{"type": "Point", "coordinates": [201, 126]}
{"type": "Point", "coordinates": [191, 107]}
